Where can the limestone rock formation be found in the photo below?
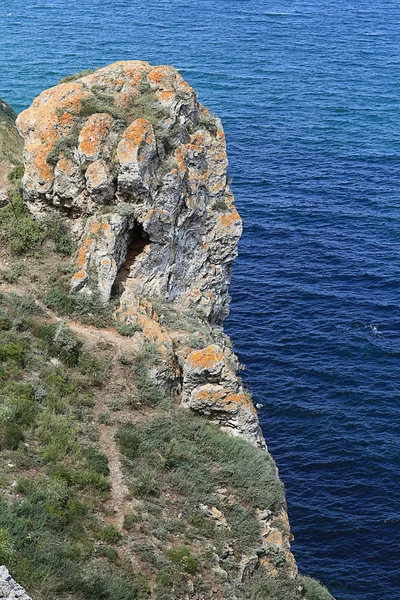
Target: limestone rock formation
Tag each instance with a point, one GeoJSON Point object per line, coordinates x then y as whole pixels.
{"type": "Point", "coordinates": [131, 147]}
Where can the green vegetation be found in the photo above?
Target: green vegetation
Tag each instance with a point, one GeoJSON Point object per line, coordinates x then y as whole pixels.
{"type": "Point", "coordinates": [24, 235]}
{"type": "Point", "coordinates": [191, 320]}
{"type": "Point", "coordinates": [11, 144]}
{"type": "Point", "coordinates": [64, 145]}
{"type": "Point", "coordinates": [314, 590]}
{"type": "Point", "coordinates": [191, 458]}
{"type": "Point", "coordinates": [50, 525]}
{"type": "Point", "coordinates": [87, 308]}
{"type": "Point", "coordinates": [79, 75]}
{"type": "Point", "coordinates": [127, 329]}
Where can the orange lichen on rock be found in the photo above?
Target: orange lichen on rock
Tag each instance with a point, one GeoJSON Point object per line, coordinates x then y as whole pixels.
{"type": "Point", "coordinates": [228, 401]}
{"type": "Point", "coordinates": [94, 134]}
{"type": "Point", "coordinates": [139, 133]}
{"type": "Point", "coordinates": [66, 165]}
{"type": "Point", "coordinates": [231, 218]}
{"type": "Point", "coordinates": [97, 174]}
{"type": "Point", "coordinates": [206, 358]}
{"type": "Point", "coordinates": [43, 123]}
{"type": "Point", "coordinates": [165, 96]}
{"type": "Point", "coordinates": [79, 275]}
{"type": "Point", "coordinates": [83, 252]}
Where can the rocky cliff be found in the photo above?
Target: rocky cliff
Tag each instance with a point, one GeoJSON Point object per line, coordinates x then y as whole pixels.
{"type": "Point", "coordinates": [127, 165]}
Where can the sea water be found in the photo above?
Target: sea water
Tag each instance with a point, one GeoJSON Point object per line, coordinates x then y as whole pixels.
{"type": "Point", "coordinates": [309, 97]}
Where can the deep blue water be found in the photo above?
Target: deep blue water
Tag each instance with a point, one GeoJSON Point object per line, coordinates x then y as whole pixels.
{"type": "Point", "coordinates": [309, 96]}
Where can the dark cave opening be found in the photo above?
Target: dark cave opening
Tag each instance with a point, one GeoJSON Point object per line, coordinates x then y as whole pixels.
{"type": "Point", "coordinates": [138, 240]}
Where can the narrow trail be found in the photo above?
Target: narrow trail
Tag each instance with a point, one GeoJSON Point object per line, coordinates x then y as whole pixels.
{"type": "Point", "coordinates": [116, 345]}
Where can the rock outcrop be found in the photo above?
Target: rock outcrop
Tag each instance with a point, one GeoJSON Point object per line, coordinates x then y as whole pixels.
{"type": "Point", "coordinates": [10, 589]}
{"type": "Point", "coordinates": [131, 147]}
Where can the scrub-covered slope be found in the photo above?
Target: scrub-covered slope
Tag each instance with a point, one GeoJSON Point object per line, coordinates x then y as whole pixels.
{"type": "Point", "coordinates": [10, 142]}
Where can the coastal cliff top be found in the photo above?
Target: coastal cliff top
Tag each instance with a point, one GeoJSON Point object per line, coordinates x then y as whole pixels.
{"type": "Point", "coordinates": [135, 467]}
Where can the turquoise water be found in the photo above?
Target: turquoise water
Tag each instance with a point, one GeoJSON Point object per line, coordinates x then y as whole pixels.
{"type": "Point", "coordinates": [309, 96]}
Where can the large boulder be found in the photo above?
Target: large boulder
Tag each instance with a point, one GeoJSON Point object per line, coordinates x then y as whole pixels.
{"type": "Point", "coordinates": [130, 147]}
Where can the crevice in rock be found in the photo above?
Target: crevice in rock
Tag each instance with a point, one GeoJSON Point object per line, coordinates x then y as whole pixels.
{"type": "Point", "coordinates": [137, 242]}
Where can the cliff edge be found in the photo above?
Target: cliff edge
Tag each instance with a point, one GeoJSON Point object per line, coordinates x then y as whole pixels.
{"type": "Point", "coordinates": [133, 441]}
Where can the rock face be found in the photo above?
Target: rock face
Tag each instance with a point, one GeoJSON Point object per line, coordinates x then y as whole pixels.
{"type": "Point", "coordinates": [211, 388]}
{"type": "Point", "coordinates": [133, 143]}
{"type": "Point", "coordinates": [9, 589]}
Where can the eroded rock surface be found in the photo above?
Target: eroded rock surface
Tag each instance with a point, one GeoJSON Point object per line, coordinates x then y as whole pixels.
{"type": "Point", "coordinates": [10, 589]}
{"type": "Point", "coordinates": [133, 143]}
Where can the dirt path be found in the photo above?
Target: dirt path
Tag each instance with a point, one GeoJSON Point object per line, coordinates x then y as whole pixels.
{"type": "Point", "coordinates": [115, 346]}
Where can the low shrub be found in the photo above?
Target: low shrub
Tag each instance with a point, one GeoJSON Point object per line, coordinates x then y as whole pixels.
{"type": "Point", "coordinates": [21, 233]}
{"type": "Point", "coordinates": [69, 78]}
{"type": "Point", "coordinates": [183, 559]}
{"type": "Point", "coordinates": [127, 329]}
{"type": "Point", "coordinates": [314, 590]}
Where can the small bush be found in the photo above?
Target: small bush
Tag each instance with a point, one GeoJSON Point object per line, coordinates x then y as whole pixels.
{"type": "Point", "coordinates": [108, 552]}
{"type": "Point", "coordinates": [21, 233]}
{"type": "Point", "coordinates": [102, 103]}
{"type": "Point", "coordinates": [10, 436]}
{"type": "Point", "coordinates": [65, 344]}
{"type": "Point", "coordinates": [314, 590]}
{"type": "Point", "coordinates": [6, 546]}
{"type": "Point", "coordinates": [57, 231]}
{"type": "Point", "coordinates": [127, 329]}
{"type": "Point", "coordinates": [110, 535]}
{"type": "Point", "coordinates": [64, 145]}
{"type": "Point", "coordinates": [97, 461]}
{"type": "Point", "coordinates": [183, 560]}
{"type": "Point", "coordinates": [79, 75]}
{"type": "Point", "coordinates": [267, 587]}
{"type": "Point", "coordinates": [16, 174]}
{"type": "Point", "coordinates": [94, 368]}
{"type": "Point", "coordinates": [128, 440]}
{"type": "Point", "coordinates": [145, 483]}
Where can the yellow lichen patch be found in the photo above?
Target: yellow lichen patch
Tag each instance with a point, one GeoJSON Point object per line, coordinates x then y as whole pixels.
{"type": "Point", "coordinates": [269, 566]}
{"type": "Point", "coordinates": [66, 165]}
{"type": "Point", "coordinates": [83, 252]}
{"type": "Point", "coordinates": [229, 219]}
{"type": "Point", "coordinates": [207, 358]}
{"type": "Point", "coordinates": [118, 74]}
{"type": "Point", "coordinates": [66, 119]}
{"type": "Point", "coordinates": [227, 400]}
{"type": "Point", "coordinates": [79, 276]}
{"type": "Point", "coordinates": [124, 98]}
{"type": "Point", "coordinates": [183, 85]}
{"type": "Point", "coordinates": [180, 156]}
{"type": "Point", "coordinates": [139, 132]}
{"type": "Point", "coordinates": [95, 227]}
{"type": "Point", "coordinates": [165, 96]}
{"type": "Point", "coordinates": [274, 536]}
{"type": "Point", "coordinates": [96, 174]}
{"type": "Point", "coordinates": [46, 121]}
{"type": "Point", "coordinates": [162, 76]}
{"type": "Point", "coordinates": [94, 133]}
